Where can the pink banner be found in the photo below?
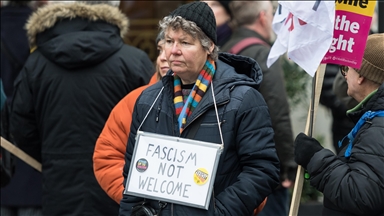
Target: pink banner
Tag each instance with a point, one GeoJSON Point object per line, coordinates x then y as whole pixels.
{"type": "Point", "coordinates": [349, 39]}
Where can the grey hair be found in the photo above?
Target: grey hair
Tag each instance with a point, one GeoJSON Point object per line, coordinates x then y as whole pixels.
{"type": "Point", "coordinates": [247, 12]}
{"type": "Point", "coordinates": [192, 29]}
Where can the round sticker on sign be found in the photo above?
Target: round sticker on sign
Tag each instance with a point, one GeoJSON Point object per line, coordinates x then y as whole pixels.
{"type": "Point", "coordinates": [142, 165]}
{"type": "Point", "coordinates": [200, 176]}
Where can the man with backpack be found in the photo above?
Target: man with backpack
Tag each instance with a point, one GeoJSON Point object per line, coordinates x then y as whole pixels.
{"type": "Point", "coordinates": [252, 36]}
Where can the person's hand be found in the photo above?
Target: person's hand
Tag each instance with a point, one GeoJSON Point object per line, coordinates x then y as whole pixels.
{"type": "Point", "coordinates": [288, 174]}
{"type": "Point", "coordinates": [287, 183]}
{"type": "Point", "coordinates": [305, 148]}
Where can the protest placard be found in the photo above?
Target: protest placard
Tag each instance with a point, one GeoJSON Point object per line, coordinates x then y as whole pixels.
{"type": "Point", "coordinates": [351, 28]}
{"type": "Point", "coordinates": [173, 169]}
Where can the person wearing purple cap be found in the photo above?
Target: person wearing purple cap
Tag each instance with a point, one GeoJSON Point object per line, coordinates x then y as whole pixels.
{"type": "Point", "coordinates": [212, 97]}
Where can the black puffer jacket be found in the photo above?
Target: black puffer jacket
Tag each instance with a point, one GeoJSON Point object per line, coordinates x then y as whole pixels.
{"type": "Point", "coordinates": [64, 94]}
{"type": "Point", "coordinates": [354, 186]}
{"type": "Point", "coordinates": [248, 169]}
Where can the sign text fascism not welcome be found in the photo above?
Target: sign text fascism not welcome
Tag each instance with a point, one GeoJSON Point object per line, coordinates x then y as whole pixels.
{"type": "Point", "coordinates": [173, 169]}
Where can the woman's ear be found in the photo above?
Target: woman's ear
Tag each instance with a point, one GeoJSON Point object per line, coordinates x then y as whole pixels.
{"type": "Point", "coordinates": [211, 48]}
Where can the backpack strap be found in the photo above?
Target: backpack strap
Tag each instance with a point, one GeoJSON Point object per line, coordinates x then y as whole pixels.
{"type": "Point", "coordinates": [246, 42]}
{"type": "Point", "coordinates": [368, 116]}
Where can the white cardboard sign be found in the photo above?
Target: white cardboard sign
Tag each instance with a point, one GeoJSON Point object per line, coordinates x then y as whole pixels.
{"type": "Point", "coordinates": [173, 169]}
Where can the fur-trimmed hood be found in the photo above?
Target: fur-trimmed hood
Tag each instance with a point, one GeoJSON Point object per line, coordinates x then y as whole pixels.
{"type": "Point", "coordinates": [47, 16]}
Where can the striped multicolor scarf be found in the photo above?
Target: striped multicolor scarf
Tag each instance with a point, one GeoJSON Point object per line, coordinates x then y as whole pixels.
{"type": "Point", "coordinates": [198, 91]}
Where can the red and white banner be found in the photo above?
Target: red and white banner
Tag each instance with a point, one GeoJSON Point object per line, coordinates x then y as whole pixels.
{"type": "Point", "coordinates": [305, 31]}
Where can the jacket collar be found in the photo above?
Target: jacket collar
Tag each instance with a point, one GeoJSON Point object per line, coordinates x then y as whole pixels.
{"type": "Point", "coordinates": [373, 102]}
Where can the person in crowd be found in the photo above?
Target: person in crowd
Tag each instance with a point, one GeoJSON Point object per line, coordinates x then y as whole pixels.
{"type": "Point", "coordinates": [253, 19]}
{"type": "Point", "coordinates": [353, 180]}
{"type": "Point", "coordinates": [108, 158]}
{"type": "Point", "coordinates": [341, 124]}
{"type": "Point", "coordinates": [201, 80]}
{"type": "Point", "coordinates": [223, 19]}
{"type": "Point", "coordinates": [14, 42]}
{"type": "Point", "coordinates": [79, 70]}
{"type": "Point", "coordinates": [23, 194]}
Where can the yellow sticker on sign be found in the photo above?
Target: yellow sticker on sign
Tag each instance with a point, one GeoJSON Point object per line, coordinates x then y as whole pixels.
{"type": "Point", "coordinates": [362, 7]}
{"type": "Point", "coordinates": [200, 176]}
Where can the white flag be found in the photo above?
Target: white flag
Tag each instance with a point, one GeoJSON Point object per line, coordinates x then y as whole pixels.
{"type": "Point", "coordinates": [304, 30]}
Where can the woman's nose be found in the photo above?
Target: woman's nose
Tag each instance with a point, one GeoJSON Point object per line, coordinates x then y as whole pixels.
{"type": "Point", "coordinates": [175, 49]}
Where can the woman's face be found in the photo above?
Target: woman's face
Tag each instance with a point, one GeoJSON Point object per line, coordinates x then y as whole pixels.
{"type": "Point", "coordinates": [219, 11]}
{"type": "Point", "coordinates": [186, 56]}
{"type": "Point", "coordinates": [161, 61]}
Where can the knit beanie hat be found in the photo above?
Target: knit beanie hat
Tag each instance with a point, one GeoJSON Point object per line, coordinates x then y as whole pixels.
{"type": "Point", "coordinates": [372, 66]}
{"type": "Point", "coordinates": [225, 4]}
{"type": "Point", "coordinates": [201, 14]}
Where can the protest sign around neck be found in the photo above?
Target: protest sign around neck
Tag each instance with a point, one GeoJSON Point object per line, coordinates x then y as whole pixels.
{"type": "Point", "coordinates": [173, 169]}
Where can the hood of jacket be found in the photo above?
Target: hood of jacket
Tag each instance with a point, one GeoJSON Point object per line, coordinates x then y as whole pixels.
{"type": "Point", "coordinates": [242, 65]}
{"type": "Point", "coordinates": [78, 34]}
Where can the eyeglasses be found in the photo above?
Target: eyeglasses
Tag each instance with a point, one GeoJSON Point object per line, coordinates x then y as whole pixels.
{"type": "Point", "coordinates": [343, 70]}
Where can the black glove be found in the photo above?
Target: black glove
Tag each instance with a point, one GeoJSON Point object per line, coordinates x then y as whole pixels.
{"type": "Point", "coordinates": [305, 148]}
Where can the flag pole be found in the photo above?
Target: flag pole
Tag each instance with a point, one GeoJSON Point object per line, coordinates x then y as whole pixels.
{"type": "Point", "coordinates": [317, 83]}
{"type": "Point", "coordinates": [20, 154]}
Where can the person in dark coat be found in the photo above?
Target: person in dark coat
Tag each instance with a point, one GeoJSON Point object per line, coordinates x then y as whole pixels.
{"type": "Point", "coordinates": [79, 70]}
{"type": "Point", "coordinates": [248, 169]}
{"type": "Point", "coordinates": [14, 42]}
{"type": "Point", "coordinates": [23, 194]}
{"type": "Point", "coordinates": [353, 180]}
{"type": "Point", "coordinates": [254, 20]}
